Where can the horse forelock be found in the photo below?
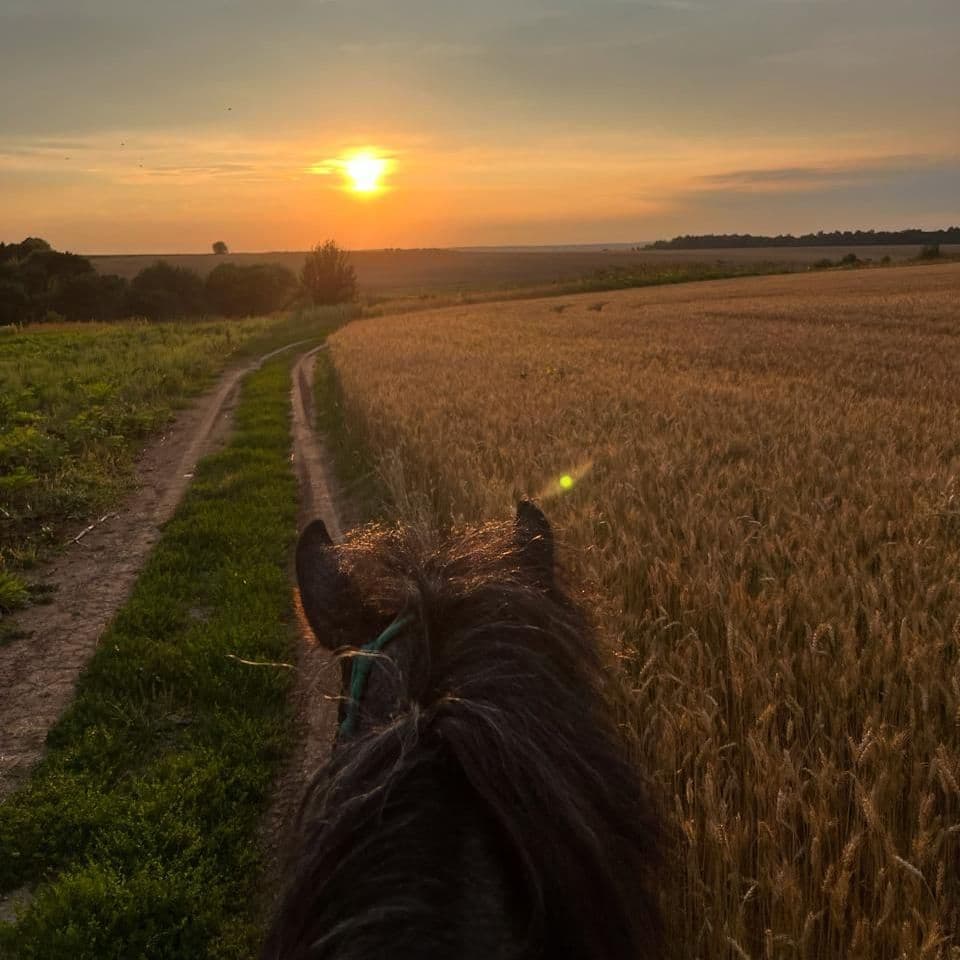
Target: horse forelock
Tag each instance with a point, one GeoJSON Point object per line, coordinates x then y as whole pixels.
{"type": "Point", "coordinates": [492, 728]}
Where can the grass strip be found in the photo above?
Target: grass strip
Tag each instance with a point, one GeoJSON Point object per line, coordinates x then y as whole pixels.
{"type": "Point", "coordinates": [353, 464]}
{"type": "Point", "coordinates": [137, 828]}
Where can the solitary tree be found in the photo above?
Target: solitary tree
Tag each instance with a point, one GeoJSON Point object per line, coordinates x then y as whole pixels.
{"type": "Point", "coordinates": [220, 248]}
{"type": "Point", "coordinates": [327, 275]}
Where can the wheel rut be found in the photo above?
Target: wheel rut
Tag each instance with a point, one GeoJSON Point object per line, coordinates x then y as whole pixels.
{"type": "Point", "coordinates": [316, 685]}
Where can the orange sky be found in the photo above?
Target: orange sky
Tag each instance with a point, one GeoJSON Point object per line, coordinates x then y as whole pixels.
{"type": "Point", "coordinates": [620, 120]}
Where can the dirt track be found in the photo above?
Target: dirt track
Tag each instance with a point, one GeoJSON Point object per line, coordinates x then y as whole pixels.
{"type": "Point", "coordinates": [94, 576]}
{"type": "Point", "coordinates": [316, 678]}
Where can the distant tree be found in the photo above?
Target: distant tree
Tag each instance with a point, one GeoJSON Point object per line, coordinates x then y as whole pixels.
{"type": "Point", "coordinates": [14, 302]}
{"type": "Point", "coordinates": [820, 238]}
{"type": "Point", "coordinates": [236, 291]}
{"type": "Point", "coordinates": [42, 269]}
{"type": "Point", "coordinates": [89, 296]}
{"type": "Point", "coordinates": [38, 282]}
{"type": "Point", "coordinates": [166, 292]}
{"type": "Point", "coordinates": [327, 275]}
{"type": "Point", "coordinates": [25, 247]}
{"type": "Point", "coordinates": [220, 248]}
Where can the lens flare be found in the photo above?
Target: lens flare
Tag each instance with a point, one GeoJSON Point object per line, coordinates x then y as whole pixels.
{"type": "Point", "coordinates": [563, 483]}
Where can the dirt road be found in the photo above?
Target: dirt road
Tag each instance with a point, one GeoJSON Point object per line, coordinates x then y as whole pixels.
{"type": "Point", "coordinates": [94, 576]}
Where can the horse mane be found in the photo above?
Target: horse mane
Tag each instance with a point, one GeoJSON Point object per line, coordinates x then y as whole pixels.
{"type": "Point", "coordinates": [489, 806]}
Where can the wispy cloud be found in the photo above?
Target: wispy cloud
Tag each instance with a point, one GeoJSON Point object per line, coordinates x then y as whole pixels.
{"type": "Point", "coordinates": [817, 177]}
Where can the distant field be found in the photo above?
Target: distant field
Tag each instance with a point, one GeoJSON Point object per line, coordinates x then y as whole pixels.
{"type": "Point", "coordinates": [766, 496]}
{"type": "Point", "coordinates": [387, 273]}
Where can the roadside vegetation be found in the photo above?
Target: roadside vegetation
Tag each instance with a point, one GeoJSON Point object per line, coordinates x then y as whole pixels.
{"type": "Point", "coordinates": [78, 402]}
{"type": "Point", "coordinates": [364, 494]}
{"type": "Point", "coordinates": [758, 480]}
{"type": "Point", "coordinates": [41, 285]}
{"type": "Point", "coordinates": [136, 834]}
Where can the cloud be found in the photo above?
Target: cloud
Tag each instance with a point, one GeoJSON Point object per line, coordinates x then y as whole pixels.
{"type": "Point", "coordinates": [821, 177]}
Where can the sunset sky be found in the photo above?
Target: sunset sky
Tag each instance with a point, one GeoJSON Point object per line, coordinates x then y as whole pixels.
{"type": "Point", "coordinates": [160, 127]}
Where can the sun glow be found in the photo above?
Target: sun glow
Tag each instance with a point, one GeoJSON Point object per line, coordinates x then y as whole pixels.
{"type": "Point", "coordinates": [364, 172]}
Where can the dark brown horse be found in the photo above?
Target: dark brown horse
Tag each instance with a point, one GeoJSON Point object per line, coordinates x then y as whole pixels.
{"type": "Point", "coordinates": [480, 801]}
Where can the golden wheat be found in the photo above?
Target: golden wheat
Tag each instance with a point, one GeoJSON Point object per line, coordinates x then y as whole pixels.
{"type": "Point", "coordinates": [762, 480]}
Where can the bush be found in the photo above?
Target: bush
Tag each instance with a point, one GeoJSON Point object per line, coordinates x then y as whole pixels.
{"type": "Point", "coordinates": [220, 248]}
{"type": "Point", "coordinates": [850, 260]}
{"type": "Point", "coordinates": [22, 250]}
{"type": "Point", "coordinates": [90, 296]}
{"type": "Point", "coordinates": [14, 302]}
{"type": "Point", "coordinates": [236, 291]}
{"type": "Point", "coordinates": [166, 292]}
{"type": "Point", "coordinates": [327, 276]}
{"type": "Point", "coordinates": [930, 252]}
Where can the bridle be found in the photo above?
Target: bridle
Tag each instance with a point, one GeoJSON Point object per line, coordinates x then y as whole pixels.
{"type": "Point", "coordinates": [360, 671]}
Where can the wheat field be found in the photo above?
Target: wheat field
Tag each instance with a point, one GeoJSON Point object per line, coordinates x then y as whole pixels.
{"type": "Point", "coordinates": [760, 480]}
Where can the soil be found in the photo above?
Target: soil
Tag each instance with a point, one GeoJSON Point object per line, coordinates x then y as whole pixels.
{"type": "Point", "coordinates": [94, 576]}
{"type": "Point", "coordinates": [316, 678]}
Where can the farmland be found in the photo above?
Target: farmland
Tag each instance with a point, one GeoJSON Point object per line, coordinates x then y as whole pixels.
{"type": "Point", "coordinates": [432, 273]}
{"type": "Point", "coordinates": [758, 483]}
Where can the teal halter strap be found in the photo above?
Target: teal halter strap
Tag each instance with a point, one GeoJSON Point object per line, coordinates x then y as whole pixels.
{"type": "Point", "coordinates": [362, 661]}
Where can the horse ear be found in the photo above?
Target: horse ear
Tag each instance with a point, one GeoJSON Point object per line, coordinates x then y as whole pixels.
{"type": "Point", "coordinates": [326, 592]}
{"type": "Point", "coordinates": [535, 541]}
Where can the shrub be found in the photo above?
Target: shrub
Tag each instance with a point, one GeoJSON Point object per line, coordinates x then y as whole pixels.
{"type": "Point", "coordinates": [930, 252]}
{"type": "Point", "coordinates": [236, 291]}
{"type": "Point", "coordinates": [14, 593]}
{"type": "Point", "coordinates": [220, 248]}
{"type": "Point", "coordinates": [90, 297]}
{"type": "Point", "coordinates": [14, 302]}
{"type": "Point", "coordinates": [327, 276]}
{"type": "Point", "coordinates": [166, 292]}
{"type": "Point", "coordinates": [22, 250]}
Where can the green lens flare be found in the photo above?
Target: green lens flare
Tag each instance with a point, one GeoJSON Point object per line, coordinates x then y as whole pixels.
{"type": "Point", "coordinates": [566, 481]}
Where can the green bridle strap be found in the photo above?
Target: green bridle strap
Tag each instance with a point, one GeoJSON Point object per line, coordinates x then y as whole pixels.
{"type": "Point", "coordinates": [362, 661]}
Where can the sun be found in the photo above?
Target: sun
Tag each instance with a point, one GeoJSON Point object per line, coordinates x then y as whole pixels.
{"type": "Point", "coordinates": [364, 172]}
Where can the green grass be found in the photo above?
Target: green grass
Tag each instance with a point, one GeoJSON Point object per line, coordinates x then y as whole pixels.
{"type": "Point", "coordinates": [353, 464]}
{"type": "Point", "coordinates": [77, 403]}
{"type": "Point", "coordinates": [138, 827]}
{"type": "Point", "coordinates": [654, 275]}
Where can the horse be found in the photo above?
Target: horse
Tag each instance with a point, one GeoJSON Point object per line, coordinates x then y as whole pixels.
{"type": "Point", "coordinates": [480, 800]}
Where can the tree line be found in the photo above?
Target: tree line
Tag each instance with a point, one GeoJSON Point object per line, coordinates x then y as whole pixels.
{"type": "Point", "coordinates": [38, 283]}
{"type": "Point", "coordinates": [819, 239]}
